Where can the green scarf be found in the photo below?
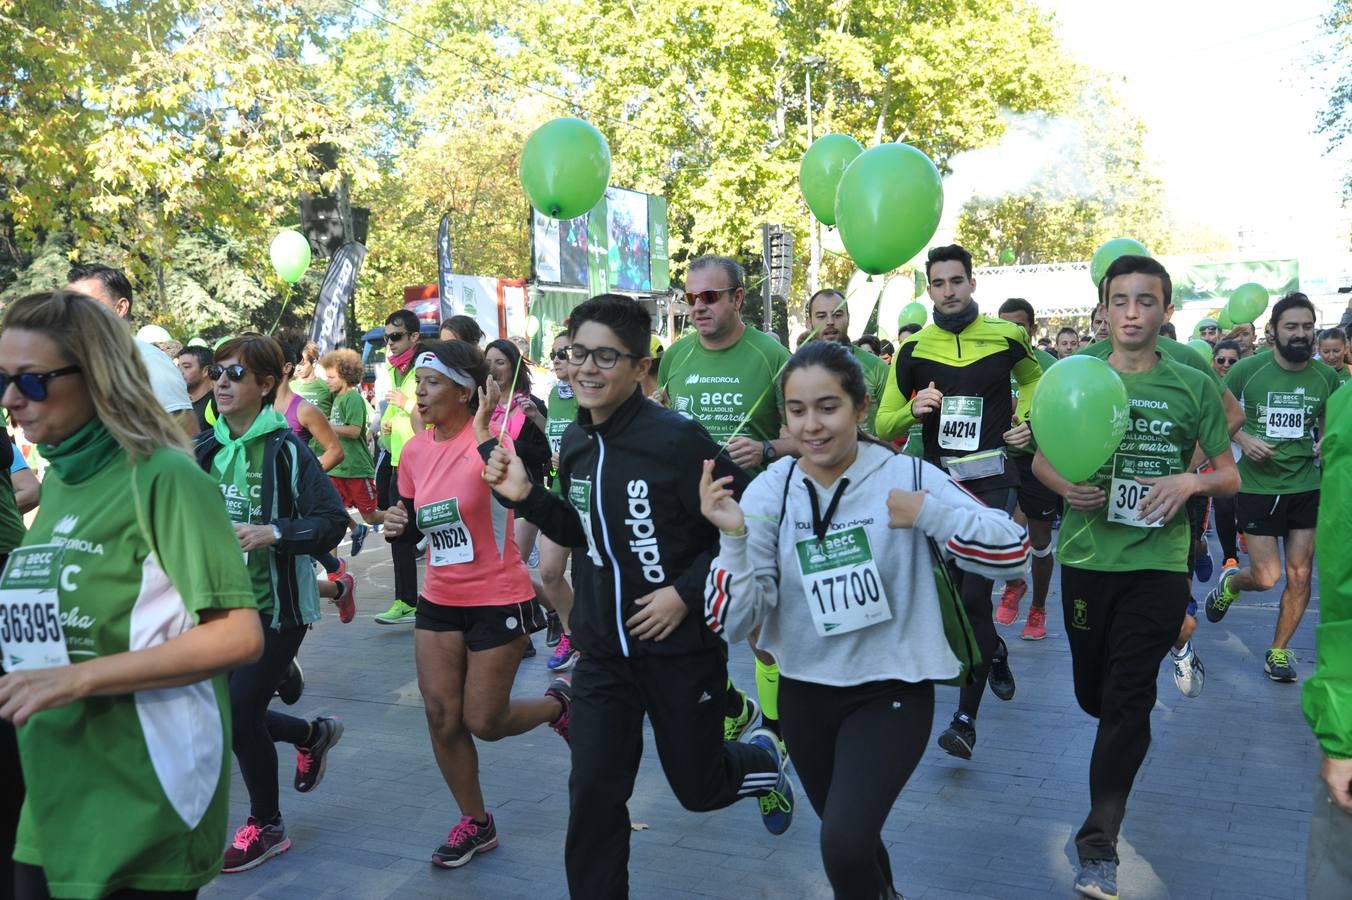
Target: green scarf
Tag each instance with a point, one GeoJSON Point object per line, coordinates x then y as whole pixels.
{"type": "Point", "coordinates": [231, 463]}
{"type": "Point", "coordinates": [82, 455]}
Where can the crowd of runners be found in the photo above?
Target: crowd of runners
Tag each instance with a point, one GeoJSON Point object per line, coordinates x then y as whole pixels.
{"type": "Point", "coordinates": [846, 513]}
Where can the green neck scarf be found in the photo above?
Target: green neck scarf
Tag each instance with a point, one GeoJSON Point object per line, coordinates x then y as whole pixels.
{"type": "Point", "coordinates": [231, 464]}
{"type": "Point", "coordinates": [82, 455]}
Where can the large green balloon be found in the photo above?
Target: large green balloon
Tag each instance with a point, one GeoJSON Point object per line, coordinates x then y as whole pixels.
{"type": "Point", "coordinates": [1224, 320]}
{"type": "Point", "coordinates": [1079, 415]}
{"type": "Point", "coordinates": [290, 253]}
{"type": "Point", "coordinates": [565, 167]}
{"type": "Point", "coordinates": [1247, 303]}
{"type": "Point", "coordinates": [888, 206]}
{"type": "Point", "coordinates": [1105, 255]}
{"type": "Point", "coordinates": [819, 173]}
{"type": "Point", "coordinates": [1203, 349]}
{"type": "Point", "coordinates": [912, 314]}
{"type": "Point", "coordinates": [1007, 256]}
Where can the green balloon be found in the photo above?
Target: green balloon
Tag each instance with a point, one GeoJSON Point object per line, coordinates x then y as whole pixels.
{"type": "Point", "coordinates": [1079, 415]}
{"type": "Point", "coordinates": [1247, 303]}
{"type": "Point", "coordinates": [1007, 256]}
{"type": "Point", "coordinates": [819, 173]}
{"type": "Point", "coordinates": [1105, 255]}
{"type": "Point", "coordinates": [1224, 321]}
{"type": "Point", "coordinates": [565, 167]}
{"type": "Point", "coordinates": [290, 252]}
{"type": "Point", "coordinates": [888, 206]}
{"type": "Point", "coordinates": [912, 314]}
{"type": "Point", "coordinates": [1203, 349]}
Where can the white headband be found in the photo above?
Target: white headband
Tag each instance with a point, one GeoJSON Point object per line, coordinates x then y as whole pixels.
{"type": "Point", "coordinates": [430, 361]}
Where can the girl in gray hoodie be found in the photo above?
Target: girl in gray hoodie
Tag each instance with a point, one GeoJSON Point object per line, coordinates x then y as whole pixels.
{"type": "Point", "coordinates": [829, 555]}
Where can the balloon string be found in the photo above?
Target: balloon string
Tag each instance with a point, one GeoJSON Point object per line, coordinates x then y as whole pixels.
{"type": "Point", "coordinates": [511, 392]}
{"type": "Point", "coordinates": [289, 294]}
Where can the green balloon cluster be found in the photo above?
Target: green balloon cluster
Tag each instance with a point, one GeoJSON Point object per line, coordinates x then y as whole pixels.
{"type": "Point", "coordinates": [290, 252]}
{"type": "Point", "coordinates": [1108, 253]}
{"type": "Point", "coordinates": [1079, 415]}
{"type": "Point", "coordinates": [1224, 321]}
{"type": "Point", "coordinates": [1247, 302]}
{"type": "Point", "coordinates": [888, 206]}
{"type": "Point", "coordinates": [565, 167]}
{"type": "Point", "coordinates": [1203, 349]}
{"type": "Point", "coordinates": [819, 173]}
{"type": "Point", "coordinates": [912, 313]}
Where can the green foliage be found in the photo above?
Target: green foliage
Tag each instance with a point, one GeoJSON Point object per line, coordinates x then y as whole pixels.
{"type": "Point", "coordinates": [1099, 187]}
{"type": "Point", "coordinates": [1336, 118]}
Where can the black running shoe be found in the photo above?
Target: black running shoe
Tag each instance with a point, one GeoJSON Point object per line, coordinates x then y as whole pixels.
{"type": "Point", "coordinates": [1001, 678]}
{"type": "Point", "coordinates": [959, 738]}
{"type": "Point", "coordinates": [292, 684]}
{"type": "Point", "coordinates": [311, 761]}
{"type": "Point", "coordinates": [530, 649]}
{"type": "Point", "coordinates": [466, 839]}
{"type": "Point", "coordinates": [553, 630]}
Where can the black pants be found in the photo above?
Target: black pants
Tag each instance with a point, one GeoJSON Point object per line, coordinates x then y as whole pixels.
{"type": "Point", "coordinates": [682, 696]}
{"type": "Point", "coordinates": [1223, 510]}
{"type": "Point", "coordinates": [854, 749]}
{"type": "Point", "coordinates": [255, 726]}
{"type": "Point", "coordinates": [1119, 625]}
{"type": "Point", "coordinates": [404, 554]}
{"type": "Point", "coordinates": [30, 883]}
{"type": "Point", "coordinates": [976, 599]}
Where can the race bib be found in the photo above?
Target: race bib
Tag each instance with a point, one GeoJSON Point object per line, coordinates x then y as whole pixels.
{"type": "Point", "coordinates": [580, 494]}
{"type": "Point", "coordinates": [1285, 415]}
{"type": "Point", "coordinates": [960, 423]}
{"type": "Point", "coordinates": [30, 610]}
{"type": "Point", "coordinates": [554, 430]}
{"type": "Point", "coordinates": [1126, 496]}
{"type": "Point", "coordinates": [448, 536]}
{"type": "Point", "coordinates": [840, 580]}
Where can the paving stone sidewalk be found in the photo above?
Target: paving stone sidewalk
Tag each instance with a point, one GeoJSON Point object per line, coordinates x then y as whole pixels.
{"type": "Point", "coordinates": [1221, 807]}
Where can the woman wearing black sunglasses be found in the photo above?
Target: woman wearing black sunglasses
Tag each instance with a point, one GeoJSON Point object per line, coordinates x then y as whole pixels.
{"type": "Point", "coordinates": [117, 628]}
{"type": "Point", "coordinates": [285, 511]}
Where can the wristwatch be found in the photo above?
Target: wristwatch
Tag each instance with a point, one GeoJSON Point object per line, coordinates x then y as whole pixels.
{"type": "Point", "coordinates": [768, 451]}
{"type": "Point", "coordinates": [276, 533]}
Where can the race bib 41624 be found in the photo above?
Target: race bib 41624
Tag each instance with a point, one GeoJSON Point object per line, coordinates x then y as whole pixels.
{"type": "Point", "coordinates": [448, 536]}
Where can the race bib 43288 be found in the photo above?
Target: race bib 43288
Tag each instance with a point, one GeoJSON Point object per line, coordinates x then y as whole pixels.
{"type": "Point", "coordinates": [1285, 415]}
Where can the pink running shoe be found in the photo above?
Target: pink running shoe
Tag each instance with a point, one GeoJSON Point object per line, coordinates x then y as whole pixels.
{"type": "Point", "coordinates": [347, 604]}
{"type": "Point", "coordinates": [1035, 629]}
{"type": "Point", "coordinates": [1008, 610]}
{"type": "Point", "coordinates": [255, 844]}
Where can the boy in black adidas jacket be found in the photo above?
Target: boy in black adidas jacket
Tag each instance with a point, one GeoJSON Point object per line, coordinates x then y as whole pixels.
{"type": "Point", "coordinates": [630, 473]}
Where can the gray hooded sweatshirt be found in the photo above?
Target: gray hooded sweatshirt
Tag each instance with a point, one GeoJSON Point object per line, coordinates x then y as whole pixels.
{"type": "Point", "coordinates": [859, 605]}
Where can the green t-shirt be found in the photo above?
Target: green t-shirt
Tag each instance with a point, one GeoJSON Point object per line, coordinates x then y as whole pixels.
{"type": "Point", "coordinates": [349, 408]}
{"type": "Point", "coordinates": [317, 392]}
{"type": "Point", "coordinates": [721, 388]}
{"type": "Point", "coordinates": [875, 374]}
{"type": "Point", "coordinates": [1173, 408]}
{"type": "Point", "coordinates": [1176, 352]}
{"type": "Point", "coordinates": [1046, 361]}
{"type": "Point", "coordinates": [142, 551]}
{"type": "Point", "coordinates": [1281, 408]}
{"type": "Point", "coordinates": [248, 510]}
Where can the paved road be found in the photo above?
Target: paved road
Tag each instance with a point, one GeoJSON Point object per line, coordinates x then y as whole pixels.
{"type": "Point", "coordinates": [1220, 809]}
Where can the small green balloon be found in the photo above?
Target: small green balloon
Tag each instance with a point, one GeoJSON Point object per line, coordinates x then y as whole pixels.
{"type": "Point", "coordinates": [1108, 253]}
{"type": "Point", "coordinates": [888, 206]}
{"type": "Point", "coordinates": [912, 314]}
{"type": "Point", "coordinates": [1203, 349]}
{"type": "Point", "coordinates": [1224, 321]}
{"type": "Point", "coordinates": [819, 173]}
{"type": "Point", "coordinates": [1079, 415]}
{"type": "Point", "coordinates": [565, 167]}
{"type": "Point", "coordinates": [1247, 303]}
{"type": "Point", "coordinates": [290, 252]}
{"type": "Point", "coordinates": [1007, 256]}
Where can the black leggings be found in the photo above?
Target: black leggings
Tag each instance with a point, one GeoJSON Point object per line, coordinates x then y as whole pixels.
{"type": "Point", "coordinates": [30, 883]}
{"type": "Point", "coordinates": [1223, 510]}
{"type": "Point", "coordinates": [854, 749]}
{"type": "Point", "coordinates": [256, 726]}
{"type": "Point", "coordinates": [404, 554]}
{"type": "Point", "coordinates": [976, 600]}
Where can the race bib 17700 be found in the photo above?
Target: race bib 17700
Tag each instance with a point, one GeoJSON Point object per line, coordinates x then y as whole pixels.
{"type": "Point", "coordinates": [1127, 495]}
{"type": "Point", "coordinates": [448, 536]}
{"type": "Point", "coordinates": [1285, 415]}
{"type": "Point", "coordinates": [30, 610]}
{"type": "Point", "coordinates": [960, 423]}
{"type": "Point", "coordinates": [840, 580]}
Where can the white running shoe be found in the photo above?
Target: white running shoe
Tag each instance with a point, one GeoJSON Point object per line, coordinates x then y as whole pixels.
{"type": "Point", "coordinates": [1189, 673]}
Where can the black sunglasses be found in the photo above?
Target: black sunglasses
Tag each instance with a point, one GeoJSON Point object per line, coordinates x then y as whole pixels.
{"type": "Point", "coordinates": [559, 355]}
{"type": "Point", "coordinates": [33, 385]}
{"type": "Point", "coordinates": [234, 372]}
{"type": "Point", "coordinates": [708, 298]}
{"type": "Point", "coordinates": [392, 336]}
{"type": "Point", "coordinates": [1225, 362]}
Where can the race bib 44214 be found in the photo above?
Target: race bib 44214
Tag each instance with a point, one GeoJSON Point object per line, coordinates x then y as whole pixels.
{"type": "Point", "coordinates": [960, 423]}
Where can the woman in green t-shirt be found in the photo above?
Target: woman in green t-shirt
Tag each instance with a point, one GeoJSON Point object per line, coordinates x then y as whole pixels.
{"type": "Point", "coordinates": [117, 629]}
